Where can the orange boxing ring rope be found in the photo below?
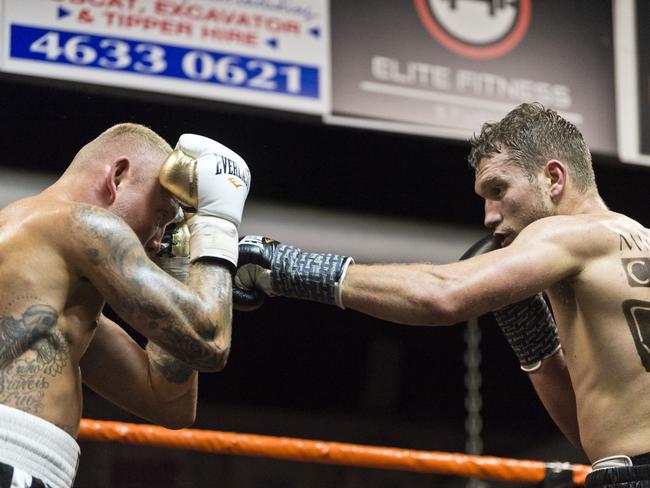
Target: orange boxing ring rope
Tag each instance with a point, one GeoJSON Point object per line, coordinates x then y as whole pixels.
{"type": "Point", "coordinates": [485, 467]}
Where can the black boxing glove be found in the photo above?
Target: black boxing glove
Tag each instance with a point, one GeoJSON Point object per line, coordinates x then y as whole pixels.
{"type": "Point", "coordinates": [174, 253]}
{"type": "Point", "coordinates": [528, 325]}
{"type": "Point", "coordinates": [268, 267]}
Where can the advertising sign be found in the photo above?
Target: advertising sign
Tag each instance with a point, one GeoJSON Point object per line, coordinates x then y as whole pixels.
{"type": "Point", "coordinates": [443, 67]}
{"type": "Point", "coordinates": [643, 86]}
{"type": "Point", "coordinates": [632, 80]}
{"type": "Point", "coordinates": [270, 53]}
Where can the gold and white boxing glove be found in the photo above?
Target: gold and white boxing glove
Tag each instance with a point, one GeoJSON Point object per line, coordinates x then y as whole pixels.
{"type": "Point", "coordinates": [213, 181]}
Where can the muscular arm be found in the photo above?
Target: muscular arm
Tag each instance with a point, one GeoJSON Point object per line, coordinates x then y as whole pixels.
{"type": "Point", "coordinates": [152, 384]}
{"type": "Point", "coordinates": [553, 386]}
{"type": "Point", "coordinates": [193, 322]}
{"type": "Point", "coordinates": [424, 294]}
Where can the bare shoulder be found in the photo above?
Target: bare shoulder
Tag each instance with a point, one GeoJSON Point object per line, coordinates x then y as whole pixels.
{"type": "Point", "coordinates": [79, 234]}
{"type": "Point", "coordinates": [588, 235]}
{"type": "Point", "coordinates": [33, 224]}
{"type": "Point", "coordinates": [95, 235]}
{"type": "Point", "coordinates": [93, 223]}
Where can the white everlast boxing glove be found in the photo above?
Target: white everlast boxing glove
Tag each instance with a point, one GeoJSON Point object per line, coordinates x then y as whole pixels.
{"type": "Point", "coordinates": [528, 325]}
{"type": "Point", "coordinates": [213, 181]}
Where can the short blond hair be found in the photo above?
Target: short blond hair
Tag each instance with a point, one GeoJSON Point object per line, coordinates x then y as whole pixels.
{"type": "Point", "coordinates": [127, 138]}
{"type": "Point", "coordinates": [138, 131]}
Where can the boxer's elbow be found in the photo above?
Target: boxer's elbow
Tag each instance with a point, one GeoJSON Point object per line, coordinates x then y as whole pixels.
{"type": "Point", "coordinates": [212, 358]}
{"type": "Point", "coordinates": [220, 360]}
{"type": "Point", "coordinates": [440, 304]}
{"type": "Point", "coordinates": [173, 413]}
{"type": "Point", "coordinates": [213, 339]}
{"type": "Point", "coordinates": [178, 418]}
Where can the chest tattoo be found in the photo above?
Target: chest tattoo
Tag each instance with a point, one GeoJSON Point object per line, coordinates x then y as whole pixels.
{"type": "Point", "coordinates": [32, 352]}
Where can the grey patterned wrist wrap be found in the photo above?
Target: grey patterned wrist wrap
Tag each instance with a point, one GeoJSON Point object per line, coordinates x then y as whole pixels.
{"type": "Point", "coordinates": [530, 330]}
{"type": "Point", "coordinates": [307, 275]}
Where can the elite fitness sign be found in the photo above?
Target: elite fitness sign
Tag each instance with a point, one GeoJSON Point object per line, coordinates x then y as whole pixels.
{"type": "Point", "coordinates": [443, 67]}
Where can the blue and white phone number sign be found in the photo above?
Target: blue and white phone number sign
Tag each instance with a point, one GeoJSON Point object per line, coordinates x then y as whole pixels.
{"type": "Point", "coordinates": [266, 53]}
{"type": "Point", "coordinates": [128, 55]}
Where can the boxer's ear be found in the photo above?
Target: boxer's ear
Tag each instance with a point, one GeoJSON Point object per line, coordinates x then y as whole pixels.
{"type": "Point", "coordinates": [556, 173]}
{"type": "Point", "coordinates": [117, 172]}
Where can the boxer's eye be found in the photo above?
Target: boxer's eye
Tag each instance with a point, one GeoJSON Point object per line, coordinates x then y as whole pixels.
{"type": "Point", "coordinates": [495, 192]}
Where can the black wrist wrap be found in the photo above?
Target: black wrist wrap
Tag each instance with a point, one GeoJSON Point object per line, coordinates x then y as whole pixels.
{"type": "Point", "coordinates": [306, 275]}
{"type": "Point", "coordinates": [530, 330]}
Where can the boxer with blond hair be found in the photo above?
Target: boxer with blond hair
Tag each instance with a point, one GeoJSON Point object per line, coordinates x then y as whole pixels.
{"type": "Point", "coordinates": [88, 240]}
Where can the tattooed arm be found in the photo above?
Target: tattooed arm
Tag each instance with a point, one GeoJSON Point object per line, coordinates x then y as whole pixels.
{"type": "Point", "coordinates": [192, 322]}
{"type": "Point", "coordinates": [151, 384]}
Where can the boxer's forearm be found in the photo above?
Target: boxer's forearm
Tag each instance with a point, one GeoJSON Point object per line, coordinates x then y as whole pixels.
{"type": "Point", "coordinates": [175, 388]}
{"type": "Point", "coordinates": [553, 386]}
{"type": "Point", "coordinates": [212, 282]}
{"type": "Point", "coordinates": [402, 293]}
{"type": "Point", "coordinates": [214, 285]}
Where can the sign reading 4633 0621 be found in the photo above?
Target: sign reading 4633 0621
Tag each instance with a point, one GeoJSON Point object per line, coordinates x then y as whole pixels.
{"type": "Point", "coordinates": [251, 55]}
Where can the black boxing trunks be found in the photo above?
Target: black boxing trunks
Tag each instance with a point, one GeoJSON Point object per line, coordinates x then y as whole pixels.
{"type": "Point", "coordinates": [620, 472]}
{"type": "Point", "coordinates": [33, 451]}
{"type": "Point", "coordinates": [11, 477]}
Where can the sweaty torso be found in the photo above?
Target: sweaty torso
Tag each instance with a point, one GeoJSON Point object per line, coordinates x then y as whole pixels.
{"type": "Point", "coordinates": [48, 314]}
{"type": "Point", "coordinates": [603, 315]}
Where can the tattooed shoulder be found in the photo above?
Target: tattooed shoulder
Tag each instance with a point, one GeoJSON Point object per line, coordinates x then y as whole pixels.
{"type": "Point", "coordinates": [104, 236]}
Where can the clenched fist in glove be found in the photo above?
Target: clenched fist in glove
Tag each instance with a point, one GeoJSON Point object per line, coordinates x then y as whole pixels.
{"type": "Point", "coordinates": [174, 253]}
{"type": "Point", "coordinates": [268, 267]}
{"type": "Point", "coordinates": [213, 181]}
{"type": "Point", "coordinates": [528, 325]}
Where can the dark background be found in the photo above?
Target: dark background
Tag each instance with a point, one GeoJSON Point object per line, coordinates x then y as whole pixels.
{"type": "Point", "coordinates": [305, 369]}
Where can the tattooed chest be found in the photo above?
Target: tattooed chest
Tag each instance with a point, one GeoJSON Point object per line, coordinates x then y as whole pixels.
{"type": "Point", "coordinates": [33, 353]}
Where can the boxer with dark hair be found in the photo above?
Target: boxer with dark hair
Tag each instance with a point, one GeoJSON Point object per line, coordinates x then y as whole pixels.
{"type": "Point", "coordinates": [88, 240]}
{"type": "Point", "coordinates": [557, 236]}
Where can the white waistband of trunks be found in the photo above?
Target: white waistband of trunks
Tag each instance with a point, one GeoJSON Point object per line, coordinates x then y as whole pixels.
{"type": "Point", "coordinates": [38, 447]}
{"type": "Point", "coordinates": [612, 462]}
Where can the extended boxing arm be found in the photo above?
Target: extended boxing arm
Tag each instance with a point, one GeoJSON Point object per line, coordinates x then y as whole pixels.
{"type": "Point", "coordinates": [540, 257]}
{"type": "Point", "coordinates": [426, 294]}
{"type": "Point", "coordinates": [415, 294]}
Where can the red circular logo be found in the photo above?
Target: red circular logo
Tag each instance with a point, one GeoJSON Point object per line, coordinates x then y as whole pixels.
{"type": "Point", "coordinates": [478, 29]}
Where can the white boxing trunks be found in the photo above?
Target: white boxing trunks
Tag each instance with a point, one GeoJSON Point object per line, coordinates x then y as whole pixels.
{"type": "Point", "coordinates": [35, 448]}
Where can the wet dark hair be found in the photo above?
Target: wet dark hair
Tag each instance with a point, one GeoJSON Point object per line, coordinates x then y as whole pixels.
{"type": "Point", "coordinates": [533, 135]}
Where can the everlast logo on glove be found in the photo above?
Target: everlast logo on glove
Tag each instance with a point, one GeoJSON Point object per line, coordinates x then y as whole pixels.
{"type": "Point", "coordinates": [213, 180]}
{"type": "Point", "coordinates": [227, 166]}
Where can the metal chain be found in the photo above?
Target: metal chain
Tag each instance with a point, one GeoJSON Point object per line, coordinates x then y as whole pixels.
{"type": "Point", "coordinates": [473, 398]}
